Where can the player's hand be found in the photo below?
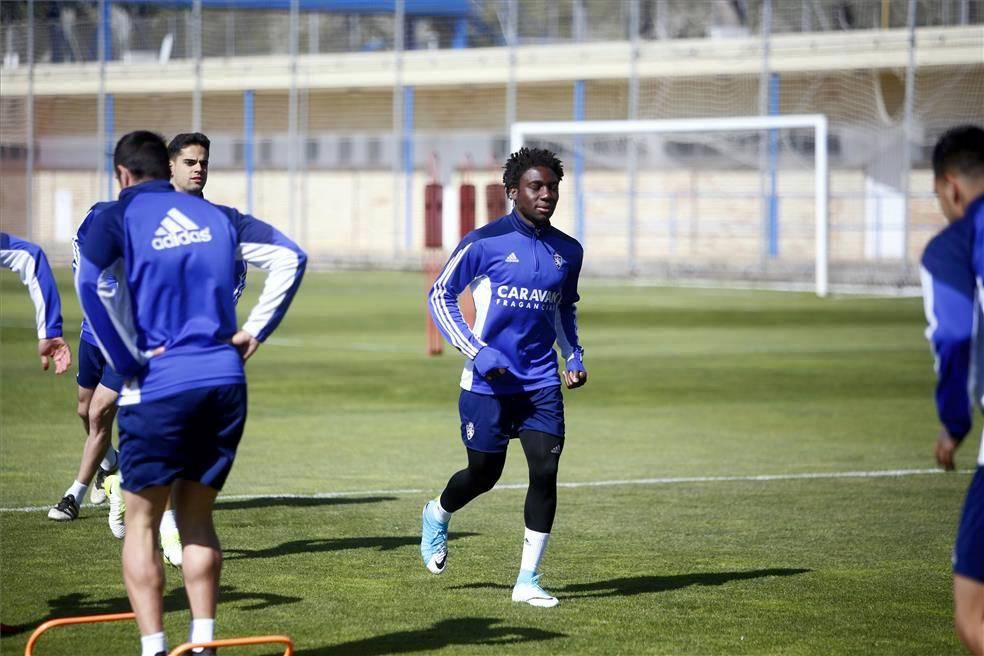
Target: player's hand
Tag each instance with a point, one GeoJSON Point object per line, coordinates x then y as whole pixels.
{"type": "Point", "coordinates": [575, 379]}
{"type": "Point", "coordinates": [946, 446]}
{"type": "Point", "coordinates": [495, 373]}
{"type": "Point", "coordinates": [56, 349]}
{"type": "Point", "coordinates": [245, 343]}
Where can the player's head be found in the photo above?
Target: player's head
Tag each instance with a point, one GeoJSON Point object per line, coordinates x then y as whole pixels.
{"type": "Point", "coordinates": [140, 156]}
{"type": "Point", "coordinates": [958, 169]}
{"type": "Point", "coordinates": [532, 179]}
{"type": "Point", "coordinates": [188, 153]}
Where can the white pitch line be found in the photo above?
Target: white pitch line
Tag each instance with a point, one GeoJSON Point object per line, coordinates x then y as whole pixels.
{"type": "Point", "coordinates": [883, 473]}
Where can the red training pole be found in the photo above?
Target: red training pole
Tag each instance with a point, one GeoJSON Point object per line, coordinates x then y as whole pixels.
{"type": "Point", "coordinates": [433, 215]}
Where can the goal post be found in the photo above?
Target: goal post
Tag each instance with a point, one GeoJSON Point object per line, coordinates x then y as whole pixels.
{"type": "Point", "coordinates": [546, 131]}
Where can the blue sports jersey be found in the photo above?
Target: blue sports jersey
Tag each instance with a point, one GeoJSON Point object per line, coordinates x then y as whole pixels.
{"type": "Point", "coordinates": [29, 262]}
{"type": "Point", "coordinates": [159, 244]}
{"type": "Point", "coordinates": [77, 242]}
{"type": "Point", "coordinates": [79, 239]}
{"type": "Point", "coordinates": [524, 282]}
{"type": "Point", "coordinates": [953, 289]}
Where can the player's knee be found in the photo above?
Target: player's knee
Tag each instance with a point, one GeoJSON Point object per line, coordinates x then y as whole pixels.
{"type": "Point", "coordinates": [82, 409]}
{"type": "Point", "coordinates": [543, 471]}
{"type": "Point", "coordinates": [101, 416]}
{"type": "Point", "coordinates": [484, 479]}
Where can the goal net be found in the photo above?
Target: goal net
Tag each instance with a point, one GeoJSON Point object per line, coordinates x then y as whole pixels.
{"type": "Point", "coordinates": [712, 199]}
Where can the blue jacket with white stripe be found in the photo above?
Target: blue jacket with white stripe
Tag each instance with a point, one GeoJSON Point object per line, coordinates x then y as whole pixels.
{"type": "Point", "coordinates": [174, 257]}
{"type": "Point", "coordinates": [524, 283]}
{"type": "Point", "coordinates": [79, 239]}
{"type": "Point", "coordinates": [952, 272]}
{"type": "Point", "coordinates": [29, 262]}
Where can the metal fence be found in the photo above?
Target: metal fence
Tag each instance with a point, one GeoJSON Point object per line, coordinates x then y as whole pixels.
{"type": "Point", "coordinates": [306, 135]}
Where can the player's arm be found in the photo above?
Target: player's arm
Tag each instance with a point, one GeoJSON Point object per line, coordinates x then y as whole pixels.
{"type": "Point", "coordinates": [31, 265]}
{"type": "Point", "coordinates": [461, 269]}
{"type": "Point", "coordinates": [575, 374]}
{"type": "Point", "coordinates": [107, 306]}
{"type": "Point", "coordinates": [948, 300]}
{"type": "Point", "coordinates": [263, 246]}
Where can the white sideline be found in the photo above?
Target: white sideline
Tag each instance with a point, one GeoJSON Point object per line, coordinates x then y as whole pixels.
{"type": "Point", "coordinates": [882, 473]}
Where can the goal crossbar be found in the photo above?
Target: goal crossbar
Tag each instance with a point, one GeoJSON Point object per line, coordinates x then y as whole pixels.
{"type": "Point", "coordinates": [818, 122]}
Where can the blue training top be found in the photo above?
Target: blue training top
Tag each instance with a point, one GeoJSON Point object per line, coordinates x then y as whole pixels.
{"type": "Point", "coordinates": [174, 257]}
{"type": "Point", "coordinates": [953, 289]}
{"type": "Point", "coordinates": [79, 239]}
{"type": "Point", "coordinates": [29, 262]}
{"type": "Point", "coordinates": [524, 282]}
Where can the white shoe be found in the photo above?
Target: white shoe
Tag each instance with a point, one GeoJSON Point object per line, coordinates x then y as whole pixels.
{"type": "Point", "coordinates": [117, 507]}
{"type": "Point", "coordinates": [65, 510]}
{"type": "Point", "coordinates": [171, 547]}
{"type": "Point", "coordinates": [532, 594]}
{"type": "Point", "coordinates": [97, 493]}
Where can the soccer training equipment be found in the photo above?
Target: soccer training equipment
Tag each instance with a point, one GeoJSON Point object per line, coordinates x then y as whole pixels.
{"type": "Point", "coordinates": [531, 593]}
{"type": "Point", "coordinates": [740, 198]}
{"type": "Point", "coordinates": [171, 547]}
{"type": "Point", "coordinates": [433, 541]}
{"type": "Point", "coordinates": [117, 507]}
{"type": "Point", "coordinates": [65, 510]}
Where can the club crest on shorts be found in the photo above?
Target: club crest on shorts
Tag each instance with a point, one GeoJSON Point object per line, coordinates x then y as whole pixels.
{"type": "Point", "coordinates": [558, 260]}
{"type": "Point", "coordinates": [469, 430]}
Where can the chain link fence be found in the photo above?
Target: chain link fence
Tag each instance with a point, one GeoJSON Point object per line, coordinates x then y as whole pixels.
{"type": "Point", "coordinates": [328, 117]}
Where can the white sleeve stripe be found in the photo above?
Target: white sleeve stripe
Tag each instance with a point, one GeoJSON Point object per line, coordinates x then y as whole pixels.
{"type": "Point", "coordinates": [566, 349]}
{"type": "Point", "coordinates": [443, 314]}
{"type": "Point", "coordinates": [282, 265]}
{"type": "Point", "coordinates": [443, 306]}
{"type": "Point", "coordinates": [929, 308]}
{"type": "Point", "coordinates": [116, 300]}
{"type": "Point", "coordinates": [440, 310]}
{"type": "Point", "coordinates": [23, 263]}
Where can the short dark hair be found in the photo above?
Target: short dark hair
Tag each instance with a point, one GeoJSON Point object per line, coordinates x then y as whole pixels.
{"type": "Point", "coordinates": [143, 154]}
{"type": "Point", "coordinates": [526, 158]}
{"type": "Point", "coordinates": [960, 150]}
{"type": "Point", "coordinates": [185, 139]}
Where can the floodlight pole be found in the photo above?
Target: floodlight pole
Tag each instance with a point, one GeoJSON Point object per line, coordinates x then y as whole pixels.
{"type": "Point", "coordinates": [29, 172]}
{"type": "Point", "coordinates": [196, 97]}
{"type": "Point", "coordinates": [632, 160]}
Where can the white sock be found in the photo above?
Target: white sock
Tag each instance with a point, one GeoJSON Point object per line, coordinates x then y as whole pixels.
{"type": "Point", "coordinates": [202, 630]}
{"type": "Point", "coordinates": [109, 460]}
{"type": "Point", "coordinates": [78, 490]}
{"type": "Point", "coordinates": [534, 544]}
{"type": "Point", "coordinates": [151, 645]}
{"type": "Point", "coordinates": [168, 524]}
{"type": "Point", "coordinates": [439, 513]}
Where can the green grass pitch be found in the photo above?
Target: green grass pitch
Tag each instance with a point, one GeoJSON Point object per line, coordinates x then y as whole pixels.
{"type": "Point", "coordinates": [683, 384]}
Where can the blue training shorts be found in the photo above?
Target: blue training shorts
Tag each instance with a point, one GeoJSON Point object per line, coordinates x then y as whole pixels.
{"type": "Point", "coordinates": [968, 554]}
{"type": "Point", "coordinates": [192, 436]}
{"type": "Point", "coordinates": [489, 421]}
{"type": "Point", "coordinates": [94, 370]}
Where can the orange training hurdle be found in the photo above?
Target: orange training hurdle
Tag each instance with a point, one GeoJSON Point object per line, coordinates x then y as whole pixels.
{"type": "Point", "coordinates": [234, 642]}
{"type": "Point", "coordinates": [64, 621]}
{"type": "Point", "coordinates": [177, 651]}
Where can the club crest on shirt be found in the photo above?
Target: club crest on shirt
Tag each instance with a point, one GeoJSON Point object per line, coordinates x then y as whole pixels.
{"type": "Point", "coordinates": [558, 260]}
{"type": "Point", "coordinates": [469, 430]}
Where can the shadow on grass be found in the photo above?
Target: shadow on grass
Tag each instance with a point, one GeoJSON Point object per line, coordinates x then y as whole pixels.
{"type": "Point", "coordinates": [78, 603]}
{"type": "Point", "coordinates": [634, 585]}
{"type": "Point", "coordinates": [381, 543]}
{"type": "Point", "coordinates": [446, 633]}
{"type": "Point", "coordinates": [294, 502]}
